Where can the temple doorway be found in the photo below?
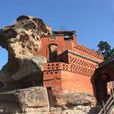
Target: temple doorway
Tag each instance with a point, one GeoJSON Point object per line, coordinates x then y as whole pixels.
{"type": "Point", "coordinates": [51, 97]}
{"type": "Point", "coordinates": [53, 53]}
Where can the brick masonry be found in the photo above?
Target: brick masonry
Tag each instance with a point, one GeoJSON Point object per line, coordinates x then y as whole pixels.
{"type": "Point", "coordinates": [74, 68]}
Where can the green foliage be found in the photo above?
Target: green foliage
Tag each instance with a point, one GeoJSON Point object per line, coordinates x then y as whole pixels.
{"type": "Point", "coordinates": [112, 53]}
{"type": "Point", "coordinates": [104, 46]}
{"type": "Point", "coordinates": [106, 50]}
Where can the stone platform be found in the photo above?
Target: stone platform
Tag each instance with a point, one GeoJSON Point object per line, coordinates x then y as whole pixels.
{"type": "Point", "coordinates": [24, 101]}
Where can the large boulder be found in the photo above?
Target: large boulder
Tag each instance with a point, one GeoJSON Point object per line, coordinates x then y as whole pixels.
{"type": "Point", "coordinates": [22, 41]}
{"type": "Point", "coordinates": [71, 100]}
{"type": "Point", "coordinates": [25, 101]}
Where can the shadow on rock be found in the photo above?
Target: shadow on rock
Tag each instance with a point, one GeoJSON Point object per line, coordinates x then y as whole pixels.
{"type": "Point", "coordinates": [9, 104]}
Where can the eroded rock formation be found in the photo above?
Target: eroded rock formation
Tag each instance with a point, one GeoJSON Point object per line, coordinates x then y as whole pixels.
{"type": "Point", "coordinates": [32, 100]}
{"type": "Point", "coordinates": [22, 41]}
{"type": "Point", "coordinates": [35, 100]}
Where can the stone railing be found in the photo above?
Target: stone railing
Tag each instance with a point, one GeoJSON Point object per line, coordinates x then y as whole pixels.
{"type": "Point", "coordinates": [108, 106]}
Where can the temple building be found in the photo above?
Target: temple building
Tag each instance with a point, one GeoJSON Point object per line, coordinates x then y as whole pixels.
{"type": "Point", "coordinates": [71, 67]}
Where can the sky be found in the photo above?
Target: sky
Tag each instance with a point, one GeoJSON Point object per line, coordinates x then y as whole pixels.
{"type": "Point", "coordinates": [93, 20]}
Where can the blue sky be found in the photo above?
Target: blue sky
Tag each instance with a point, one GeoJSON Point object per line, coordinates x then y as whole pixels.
{"type": "Point", "coordinates": [93, 20]}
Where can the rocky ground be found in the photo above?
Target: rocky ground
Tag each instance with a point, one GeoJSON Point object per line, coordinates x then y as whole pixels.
{"type": "Point", "coordinates": [35, 100]}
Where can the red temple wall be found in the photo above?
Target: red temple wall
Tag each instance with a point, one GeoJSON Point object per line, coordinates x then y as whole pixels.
{"type": "Point", "coordinates": [62, 45]}
{"type": "Point", "coordinates": [77, 60]}
{"type": "Point", "coordinates": [53, 79]}
{"type": "Point", "coordinates": [64, 77]}
{"type": "Point", "coordinates": [75, 69]}
{"type": "Point", "coordinates": [72, 82]}
{"type": "Point", "coordinates": [88, 52]}
{"type": "Point", "coordinates": [64, 81]}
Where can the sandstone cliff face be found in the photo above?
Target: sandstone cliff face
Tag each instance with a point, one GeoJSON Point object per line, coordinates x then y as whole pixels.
{"type": "Point", "coordinates": [22, 41]}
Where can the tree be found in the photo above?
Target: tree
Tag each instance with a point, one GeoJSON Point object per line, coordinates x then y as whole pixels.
{"type": "Point", "coordinates": [112, 53]}
{"type": "Point", "coordinates": [104, 48]}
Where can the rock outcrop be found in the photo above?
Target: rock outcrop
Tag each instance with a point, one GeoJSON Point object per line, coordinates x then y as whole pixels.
{"type": "Point", "coordinates": [22, 41]}
{"type": "Point", "coordinates": [75, 99]}
{"type": "Point", "coordinates": [76, 103]}
{"type": "Point", "coordinates": [33, 100]}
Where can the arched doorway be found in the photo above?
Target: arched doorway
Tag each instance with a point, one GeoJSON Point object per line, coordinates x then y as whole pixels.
{"type": "Point", "coordinates": [52, 52]}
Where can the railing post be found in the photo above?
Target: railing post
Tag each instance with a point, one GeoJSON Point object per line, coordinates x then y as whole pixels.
{"type": "Point", "coordinates": [108, 104]}
{"type": "Point", "coordinates": [113, 94]}
{"type": "Point", "coordinates": [103, 107]}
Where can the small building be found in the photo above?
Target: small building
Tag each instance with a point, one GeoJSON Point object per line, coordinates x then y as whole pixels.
{"type": "Point", "coordinates": [71, 67]}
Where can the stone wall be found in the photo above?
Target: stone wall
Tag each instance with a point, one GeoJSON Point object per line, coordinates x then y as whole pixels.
{"type": "Point", "coordinates": [24, 101]}
{"type": "Point", "coordinates": [75, 103]}
{"type": "Point", "coordinates": [35, 100]}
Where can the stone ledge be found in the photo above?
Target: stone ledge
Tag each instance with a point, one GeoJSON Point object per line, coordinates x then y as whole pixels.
{"type": "Point", "coordinates": [24, 100]}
